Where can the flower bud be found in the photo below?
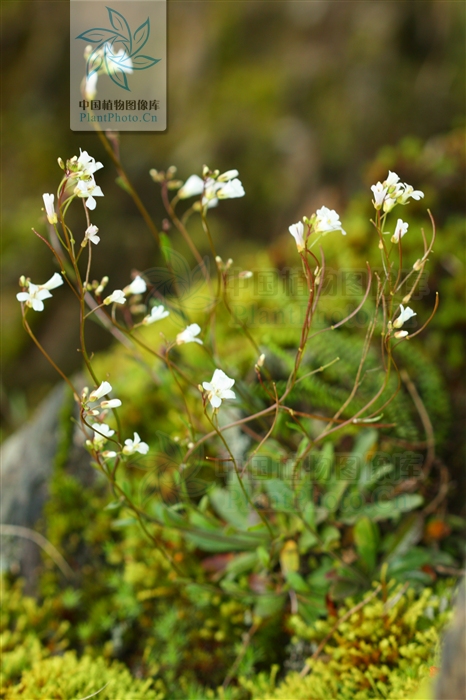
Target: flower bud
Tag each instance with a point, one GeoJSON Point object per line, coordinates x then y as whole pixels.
{"type": "Point", "coordinates": [102, 285]}
{"type": "Point", "coordinates": [61, 163]}
{"type": "Point", "coordinates": [417, 265]}
{"type": "Point", "coordinates": [245, 275]}
{"type": "Point", "coordinates": [171, 172]}
{"type": "Point", "coordinates": [175, 184]}
{"type": "Point", "coordinates": [401, 334]}
{"type": "Point", "coordinates": [205, 171]}
{"type": "Point", "coordinates": [156, 176]}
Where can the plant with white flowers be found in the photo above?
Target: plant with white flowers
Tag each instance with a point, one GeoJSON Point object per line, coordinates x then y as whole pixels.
{"type": "Point", "coordinates": [154, 322]}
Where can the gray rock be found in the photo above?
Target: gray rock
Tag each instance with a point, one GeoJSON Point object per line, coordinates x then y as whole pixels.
{"type": "Point", "coordinates": [26, 467]}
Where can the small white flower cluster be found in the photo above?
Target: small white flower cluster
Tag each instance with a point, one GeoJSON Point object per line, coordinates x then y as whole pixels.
{"type": "Point", "coordinates": [157, 313]}
{"type": "Point", "coordinates": [405, 315]}
{"type": "Point", "coordinates": [322, 222]}
{"type": "Point", "coordinates": [102, 431]}
{"type": "Point", "coordinates": [390, 192]}
{"type": "Point", "coordinates": [34, 294]}
{"type": "Point", "coordinates": [219, 388]}
{"type": "Point", "coordinates": [212, 187]}
{"type": "Point", "coordinates": [189, 335]}
{"type": "Point", "coordinates": [83, 169]}
{"type": "Point", "coordinates": [137, 286]}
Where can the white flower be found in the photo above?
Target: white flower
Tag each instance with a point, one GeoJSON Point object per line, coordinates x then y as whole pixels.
{"type": "Point", "coordinates": [389, 203]}
{"type": "Point", "coordinates": [90, 88]}
{"type": "Point", "coordinates": [111, 403]}
{"type": "Point", "coordinates": [88, 188]}
{"type": "Point", "coordinates": [405, 315]}
{"type": "Point", "coordinates": [391, 180]}
{"type": "Point", "coordinates": [102, 432]}
{"type": "Point", "coordinates": [135, 445]}
{"type": "Point", "coordinates": [121, 59]}
{"type": "Point", "coordinates": [116, 297]}
{"type": "Point", "coordinates": [55, 281]}
{"type": "Point", "coordinates": [410, 192]}
{"type": "Point", "coordinates": [156, 314]}
{"type": "Point", "coordinates": [379, 192]}
{"type": "Point", "coordinates": [38, 292]}
{"type": "Point", "coordinates": [188, 335]}
{"type": "Point", "coordinates": [400, 230]}
{"type": "Point", "coordinates": [231, 189]}
{"type": "Point", "coordinates": [228, 175]}
{"type": "Point", "coordinates": [137, 286]}
{"type": "Point", "coordinates": [219, 388]}
{"type": "Point", "coordinates": [102, 390]}
{"type": "Point", "coordinates": [210, 198]}
{"type": "Point", "coordinates": [34, 297]}
{"type": "Point", "coordinates": [87, 164]}
{"type": "Point", "coordinates": [297, 231]}
{"type": "Point", "coordinates": [50, 208]}
{"type": "Point", "coordinates": [391, 192]}
{"type": "Point", "coordinates": [401, 334]}
{"type": "Point", "coordinates": [327, 220]}
{"type": "Point", "coordinates": [91, 235]}
{"type": "Point", "coordinates": [193, 186]}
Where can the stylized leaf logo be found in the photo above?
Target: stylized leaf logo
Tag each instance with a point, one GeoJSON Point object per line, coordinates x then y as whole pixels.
{"type": "Point", "coordinates": [118, 65]}
{"type": "Point", "coordinates": [119, 23]}
{"type": "Point", "coordinates": [114, 69]}
{"type": "Point", "coordinates": [143, 62]}
{"type": "Point", "coordinates": [141, 35]}
{"type": "Point", "coordinates": [94, 63]}
{"type": "Point", "coordinates": [99, 35]}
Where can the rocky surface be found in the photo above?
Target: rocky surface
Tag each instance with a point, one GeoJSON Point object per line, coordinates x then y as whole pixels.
{"type": "Point", "coordinates": [27, 461]}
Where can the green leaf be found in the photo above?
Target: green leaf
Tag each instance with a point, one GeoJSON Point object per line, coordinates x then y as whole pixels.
{"type": "Point", "coordinates": [366, 538]}
{"type": "Point", "coordinates": [123, 522]}
{"type": "Point", "coordinates": [269, 604]}
{"type": "Point", "coordinates": [318, 580]}
{"type": "Point", "coordinates": [242, 563]}
{"type": "Point", "coordinates": [113, 505]}
{"type": "Point", "coordinates": [325, 464]}
{"type": "Point", "coordinates": [412, 560]}
{"type": "Point", "coordinates": [307, 541]}
{"type": "Point", "coordinates": [297, 582]}
{"type": "Point", "coordinates": [408, 533]}
{"type": "Point", "coordinates": [344, 588]}
{"type": "Point", "coordinates": [311, 610]}
{"type": "Point", "coordinates": [230, 507]}
{"type": "Point", "coordinates": [309, 515]}
{"type": "Point", "coordinates": [280, 494]}
{"type": "Point", "coordinates": [328, 535]}
{"type": "Point", "coordinates": [263, 556]}
{"type": "Point", "coordinates": [384, 510]}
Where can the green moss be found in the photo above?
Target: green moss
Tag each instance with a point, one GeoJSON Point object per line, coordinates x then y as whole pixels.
{"type": "Point", "coordinates": [67, 677]}
{"type": "Point", "coordinates": [384, 649]}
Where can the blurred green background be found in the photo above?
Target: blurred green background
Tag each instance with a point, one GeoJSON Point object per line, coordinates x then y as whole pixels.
{"type": "Point", "coordinates": [311, 101]}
